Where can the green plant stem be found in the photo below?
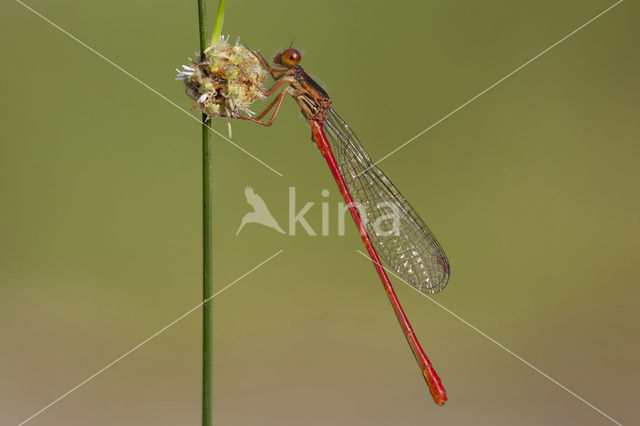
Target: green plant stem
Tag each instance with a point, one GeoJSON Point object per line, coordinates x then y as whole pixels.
{"type": "Point", "coordinates": [217, 27]}
{"type": "Point", "coordinates": [207, 246]}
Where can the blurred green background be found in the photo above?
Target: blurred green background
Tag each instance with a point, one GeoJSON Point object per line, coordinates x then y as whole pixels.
{"type": "Point", "coordinates": [532, 190]}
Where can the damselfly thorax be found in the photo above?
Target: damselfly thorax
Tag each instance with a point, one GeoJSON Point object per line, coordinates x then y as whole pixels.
{"type": "Point", "coordinates": [310, 96]}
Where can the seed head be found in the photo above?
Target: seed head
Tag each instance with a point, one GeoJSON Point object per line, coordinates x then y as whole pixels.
{"type": "Point", "coordinates": [224, 84]}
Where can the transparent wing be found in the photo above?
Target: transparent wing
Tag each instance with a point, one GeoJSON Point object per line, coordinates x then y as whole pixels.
{"type": "Point", "coordinates": [400, 236]}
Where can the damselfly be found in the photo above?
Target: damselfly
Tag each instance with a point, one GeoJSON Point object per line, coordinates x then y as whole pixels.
{"type": "Point", "coordinates": [386, 221]}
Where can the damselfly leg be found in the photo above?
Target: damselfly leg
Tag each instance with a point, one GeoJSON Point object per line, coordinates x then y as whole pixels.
{"type": "Point", "coordinates": [265, 65]}
{"type": "Point", "coordinates": [277, 101]}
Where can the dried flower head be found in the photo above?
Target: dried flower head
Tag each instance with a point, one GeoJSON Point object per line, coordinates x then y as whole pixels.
{"type": "Point", "coordinates": [224, 83]}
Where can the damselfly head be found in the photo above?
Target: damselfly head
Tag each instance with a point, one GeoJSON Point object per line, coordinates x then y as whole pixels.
{"type": "Point", "coordinates": [288, 58]}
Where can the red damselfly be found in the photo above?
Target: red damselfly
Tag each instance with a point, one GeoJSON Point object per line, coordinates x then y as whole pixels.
{"type": "Point", "coordinates": [387, 223]}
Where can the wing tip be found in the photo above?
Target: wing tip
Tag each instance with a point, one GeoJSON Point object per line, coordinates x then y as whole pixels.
{"type": "Point", "coordinates": [438, 287]}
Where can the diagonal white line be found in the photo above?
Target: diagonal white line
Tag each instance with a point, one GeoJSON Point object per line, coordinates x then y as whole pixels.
{"type": "Point", "coordinates": [64, 395]}
{"type": "Point", "coordinates": [492, 86]}
{"type": "Point", "coordinates": [147, 86]}
{"type": "Point", "coordinates": [500, 345]}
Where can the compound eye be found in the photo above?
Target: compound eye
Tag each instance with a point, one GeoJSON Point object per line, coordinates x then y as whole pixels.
{"type": "Point", "coordinates": [291, 57]}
